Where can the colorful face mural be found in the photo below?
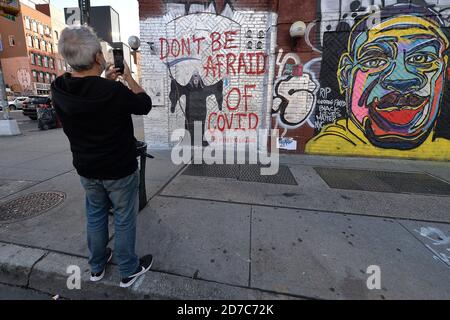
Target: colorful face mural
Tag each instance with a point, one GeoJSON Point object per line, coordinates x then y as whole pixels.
{"type": "Point", "coordinates": [393, 77]}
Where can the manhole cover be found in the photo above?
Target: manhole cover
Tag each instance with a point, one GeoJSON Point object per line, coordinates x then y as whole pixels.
{"type": "Point", "coordinates": [381, 181]}
{"type": "Point", "coordinates": [30, 206]}
{"type": "Point", "coordinates": [245, 173]}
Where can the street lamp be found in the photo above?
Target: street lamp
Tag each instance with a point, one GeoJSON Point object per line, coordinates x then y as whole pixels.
{"type": "Point", "coordinates": [134, 43]}
{"type": "Point", "coordinates": [297, 30]}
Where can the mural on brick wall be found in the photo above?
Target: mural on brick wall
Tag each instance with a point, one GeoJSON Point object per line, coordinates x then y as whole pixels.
{"type": "Point", "coordinates": [294, 91]}
{"type": "Point", "coordinates": [383, 79]}
{"type": "Point", "coordinates": [196, 94]}
{"type": "Point", "coordinates": [214, 63]}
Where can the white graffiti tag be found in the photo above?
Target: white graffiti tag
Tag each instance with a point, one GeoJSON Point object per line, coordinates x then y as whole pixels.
{"type": "Point", "coordinates": [294, 100]}
{"type": "Point", "coordinates": [294, 95]}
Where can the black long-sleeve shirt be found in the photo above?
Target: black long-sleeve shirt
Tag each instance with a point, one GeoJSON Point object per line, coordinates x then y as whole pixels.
{"type": "Point", "coordinates": [96, 117]}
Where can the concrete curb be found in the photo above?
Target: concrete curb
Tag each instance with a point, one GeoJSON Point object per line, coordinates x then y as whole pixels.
{"type": "Point", "coordinates": [46, 272]}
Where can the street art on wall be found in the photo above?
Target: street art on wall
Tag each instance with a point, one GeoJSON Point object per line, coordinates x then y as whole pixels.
{"type": "Point", "coordinates": [392, 76]}
{"type": "Point", "coordinates": [294, 92]}
{"type": "Point", "coordinates": [214, 57]}
{"type": "Point", "coordinates": [24, 79]}
{"type": "Point", "coordinates": [372, 79]}
{"type": "Point", "coordinates": [213, 76]}
{"type": "Point", "coordinates": [342, 15]}
{"type": "Point", "coordinates": [378, 81]}
{"type": "Point", "coordinates": [196, 94]}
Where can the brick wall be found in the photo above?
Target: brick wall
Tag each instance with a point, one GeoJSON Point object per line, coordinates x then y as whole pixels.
{"type": "Point", "coordinates": [178, 23]}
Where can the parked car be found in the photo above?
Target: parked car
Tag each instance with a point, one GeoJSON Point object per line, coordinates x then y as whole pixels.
{"type": "Point", "coordinates": [34, 102]}
{"type": "Point", "coordinates": [17, 104]}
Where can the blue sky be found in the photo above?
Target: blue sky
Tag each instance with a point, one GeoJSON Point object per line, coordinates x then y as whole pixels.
{"type": "Point", "coordinates": [128, 11]}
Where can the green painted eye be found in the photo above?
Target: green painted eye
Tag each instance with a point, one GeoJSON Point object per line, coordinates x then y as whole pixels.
{"type": "Point", "coordinates": [420, 59]}
{"type": "Point", "coordinates": [374, 63]}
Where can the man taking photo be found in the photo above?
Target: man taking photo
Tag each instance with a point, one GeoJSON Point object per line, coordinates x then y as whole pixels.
{"type": "Point", "coordinates": [96, 117]}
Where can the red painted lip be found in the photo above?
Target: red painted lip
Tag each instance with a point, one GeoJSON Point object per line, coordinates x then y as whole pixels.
{"type": "Point", "coordinates": [399, 110]}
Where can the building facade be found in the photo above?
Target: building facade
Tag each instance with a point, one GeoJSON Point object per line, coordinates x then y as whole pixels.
{"type": "Point", "coordinates": [58, 25]}
{"type": "Point", "coordinates": [29, 59]}
{"type": "Point", "coordinates": [366, 78]}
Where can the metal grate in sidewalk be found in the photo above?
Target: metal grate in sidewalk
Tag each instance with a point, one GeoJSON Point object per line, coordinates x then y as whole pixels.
{"type": "Point", "coordinates": [245, 173]}
{"type": "Point", "coordinates": [382, 181]}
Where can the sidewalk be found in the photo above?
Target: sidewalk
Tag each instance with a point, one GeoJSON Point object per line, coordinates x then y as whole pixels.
{"type": "Point", "coordinates": [222, 238]}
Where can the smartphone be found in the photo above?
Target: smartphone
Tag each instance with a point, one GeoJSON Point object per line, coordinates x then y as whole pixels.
{"type": "Point", "coordinates": [118, 60]}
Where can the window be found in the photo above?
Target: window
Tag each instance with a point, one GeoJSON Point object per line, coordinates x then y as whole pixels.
{"type": "Point", "coordinates": [34, 25]}
{"type": "Point", "coordinates": [30, 41]}
{"type": "Point", "coordinates": [35, 76]}
{"type": "Point", "coordinates": [47, 77]}
{"type": "Point", "coordinates": [46, 62]}
{"type": "Point", "coordinates": [52, 63]}
{"type": "Point", "coordinates": [12, 41]}
{"type": "Point", "coordinates": [47, 31]}
{"type": "Point", "coordinates": [41, 77]}
{"type": "Point", "coordinates": [43, 45]}
{"type": "Point", "coordinates": [53, 77]}
{"type": "Point", "coordinates": [33, 59]}
{"type": "Point", "coordinates": [27, 23]}
{"type": "Point", "coordinates": [36, 43]}
{"type": "Point", "coordinates": [39, 60]}
{"type": "Point", "coordinates": [56, 35]}
{"type": "Point", "coordinates": [41, 29]}
{"type": "Point", "coordinates": [50, 48]}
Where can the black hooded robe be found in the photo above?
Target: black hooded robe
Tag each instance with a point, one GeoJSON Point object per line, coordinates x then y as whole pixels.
{"type": "Point", "coordinates": [196, 97]}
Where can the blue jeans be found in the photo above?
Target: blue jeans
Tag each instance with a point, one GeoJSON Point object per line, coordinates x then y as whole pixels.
{"type": "Point", "coordinates": [122, 196]}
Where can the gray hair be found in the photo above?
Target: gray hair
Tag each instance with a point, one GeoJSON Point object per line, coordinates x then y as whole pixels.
{"type": "Point", "coordinates": [79, 46]}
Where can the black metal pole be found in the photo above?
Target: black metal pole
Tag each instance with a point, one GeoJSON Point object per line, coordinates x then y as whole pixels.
{"type": "Point", "coordinates": [85, 11]}
{"type": "Point", "coordinates": [142, 187]}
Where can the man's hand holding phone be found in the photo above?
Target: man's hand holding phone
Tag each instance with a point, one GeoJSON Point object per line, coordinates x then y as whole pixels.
{"type": "Point", "coordinates": [112, 73]}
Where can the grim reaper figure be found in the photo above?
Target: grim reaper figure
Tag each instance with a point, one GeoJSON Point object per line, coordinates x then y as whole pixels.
{"type": "Point", "coordinates": [196, 93]}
